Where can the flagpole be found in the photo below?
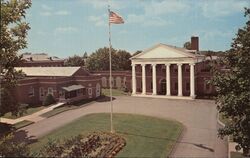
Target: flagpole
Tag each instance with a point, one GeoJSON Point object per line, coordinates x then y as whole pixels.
{"type": "Point", "coordinates": [110, 78]}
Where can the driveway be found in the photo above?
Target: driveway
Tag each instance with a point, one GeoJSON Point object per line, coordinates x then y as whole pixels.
{"type": "Point", "coordinates": [199, 138]}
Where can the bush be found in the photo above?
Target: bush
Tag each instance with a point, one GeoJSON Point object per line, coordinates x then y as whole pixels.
{"type": "Point", "coordinates": [94, 145]}
{"type": "Point", "coordinates": [49, 100]}
{"type": "Point", "coordinates": [11, 148]}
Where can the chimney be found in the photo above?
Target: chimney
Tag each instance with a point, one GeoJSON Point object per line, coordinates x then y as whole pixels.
{"type": "Point", "coordinates": [195, 43]}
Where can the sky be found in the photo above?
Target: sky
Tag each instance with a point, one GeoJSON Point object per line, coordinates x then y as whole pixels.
{"type": "Point", "coordinates": [66, 27]}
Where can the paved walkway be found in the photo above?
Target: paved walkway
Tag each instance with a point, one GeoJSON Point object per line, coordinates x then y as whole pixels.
{"type": "Point", "coordinates": [35, 117]}
{"type": "Point", "coordinates": [199, 138]}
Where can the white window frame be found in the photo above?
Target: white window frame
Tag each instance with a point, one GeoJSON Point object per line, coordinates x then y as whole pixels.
{"type": "Point", "coordinates": [41, 92]}
{"type": "Point", "coordinates": [98, 90]}
{"type": "Point", "coordinates": [31, 92]}
{"type": "Point", "coordinates": [90, 92]}
{"type": "Point", "coordinates": [50, 88]}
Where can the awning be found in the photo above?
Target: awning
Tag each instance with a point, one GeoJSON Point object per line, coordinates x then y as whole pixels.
{"type": "Point", "coordinates": [73, 87]}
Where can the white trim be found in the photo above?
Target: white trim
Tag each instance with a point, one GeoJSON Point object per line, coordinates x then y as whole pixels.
{"type": "Point", "coordinates": [52, 92]}
{"type": "Point", "coordinates": [164, 96]}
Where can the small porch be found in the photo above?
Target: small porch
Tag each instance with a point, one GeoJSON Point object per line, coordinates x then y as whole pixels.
{"type": "Point", "coordinates": [72, 93]}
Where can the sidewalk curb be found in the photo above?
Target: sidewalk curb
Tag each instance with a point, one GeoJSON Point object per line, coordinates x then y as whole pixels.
{"type": "Point", "coordinates": [177, 141]}
{"type": "Point", "coordinates": [223, 125]}
{"type": "Point", "coordinates": [87, 104]}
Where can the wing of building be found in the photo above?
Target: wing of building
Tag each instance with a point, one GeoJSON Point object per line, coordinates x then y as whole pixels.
{"type": "Point", "coordinates": [68, 84]}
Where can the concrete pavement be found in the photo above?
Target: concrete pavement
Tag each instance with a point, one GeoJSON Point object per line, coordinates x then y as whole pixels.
{"type": "Point", "coordinates": [35, 117]}
{"type": "Point", "coordinates": [199, 138]}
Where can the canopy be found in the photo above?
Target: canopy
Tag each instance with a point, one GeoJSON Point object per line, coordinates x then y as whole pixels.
{"type": "Point", "coordinates": [73, 87]}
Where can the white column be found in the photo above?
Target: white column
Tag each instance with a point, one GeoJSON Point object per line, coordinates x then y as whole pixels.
{"type": "Point", "coordinates": [143, 79]}
{"type": "Point", "coordinates": [154, 78]}
{"type": "Point", "coordinates": [133, 79]}
{"type": "Point", "coordinates": [179, 79]}
{"type": "Point", "coordinates": [192, 80]}
{"type": "Point", "coordinates": [168, 79]}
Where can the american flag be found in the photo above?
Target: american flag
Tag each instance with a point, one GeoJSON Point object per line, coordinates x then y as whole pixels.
{"type": "Point", "coordinates": [115, 18]}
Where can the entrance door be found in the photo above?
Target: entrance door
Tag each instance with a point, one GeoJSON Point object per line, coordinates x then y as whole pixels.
{"type": "Point", "coordinates": [163, 86]}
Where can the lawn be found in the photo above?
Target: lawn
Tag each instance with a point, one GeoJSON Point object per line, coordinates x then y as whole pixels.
{"type": "Point", "coordinates": [115, 92]}
{"type": "Point", "coordinates": [145, 136]}
{"type": "Point", "coordinates": [29, 110]}
{"type": "Point", "coordinates": [22, 124]}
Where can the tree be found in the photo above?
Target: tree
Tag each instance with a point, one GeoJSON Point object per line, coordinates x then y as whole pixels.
{"type": "Point", "coordinates": [85, 55]}
{"type": "Point", "coordinates": [187, 45]}
{"type": "Point", "coordinates": [75, 61]}
{"type": "Point", "coordinates": [13, 38]}
{"type": "Point", "coordinates": [99, 60]}
{"type": "Point", "coordinates": [124, 62]}
{"type": "Point", "coordinates": [137, 52]}
{"type": "Point", "coordinates": [49, 100]}
{"type": "Point", "coordinates": [233, 88]}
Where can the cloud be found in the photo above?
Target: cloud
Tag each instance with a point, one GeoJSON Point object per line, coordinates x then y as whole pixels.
{"type": "Point", "coordinates": [41, 33]}
{"type": "Point", "coordinates": [59, 13]}
{"type": "Point", "coordinates": [62, 12]}
{"type": "Point", "coordinates": [147, 20]}
{"type": "Point", "coordinates": [62, 30]}
{"type": "Point", "coordinates": [46, 13]}
{"type": "Point", "coordinates": [165, 7]}
{"type": "Point", "coordinates": [101, 20]}
{"type": "Point", "coordinates": [101, 4]}
{"type": "Point", "coordinates": [222, 8]}
{"type": "Point", "coordinates": [45, 7]}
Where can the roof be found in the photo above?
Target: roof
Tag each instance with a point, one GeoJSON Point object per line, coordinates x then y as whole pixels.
{"type": "Point", "coordinates": [73, 87]}
{"type": "Point", "coordinates": [166, 51]}
{"type": "Point", "coordinates": [48, 71]}
{"type": "Point", "coordinates": [39, 57]}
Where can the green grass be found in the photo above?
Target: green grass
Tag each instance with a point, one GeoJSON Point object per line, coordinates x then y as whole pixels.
{"type": "Point", "coordinates": [28, 111]}
{"type": "Point", "coordinates": [64, 108]}
{"type": "Point", "coordinates": [22, 124]}
{"type": "Point", "coordinates": [236, 155]}
{"type": "Point", "coordinates": [145, 136]}
{"type": "Point", "coordinates": [115, 92]}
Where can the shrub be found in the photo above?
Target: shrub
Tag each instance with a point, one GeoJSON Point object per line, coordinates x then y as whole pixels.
{"type": "Point", "coordinates": [49, 100]}
{"type": "Point", "coordinates": [11, 148]}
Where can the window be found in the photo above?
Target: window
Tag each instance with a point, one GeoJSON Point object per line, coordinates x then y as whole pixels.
{"type": "Point", "coordinates": [176, 86]}
{"type": "Point", "coordinates": [41, 91]}
{"type": "Point", "coordinates": [187, 86]}
{"type": "Point", "coordinates": [90, 91]}
{"type": "Point", "coordinates": [31, 92]}
{"type": "Point", "coordinates": [84, 91]}
{"type": "Point", "coordinates": [61, 93]}
{"type": "Point", "coordinates": [79, 91]}
{"type": "Point", "coordinates": [98, 90]}
{"type": "Point", "coordinates": [187, 69]}
{"type": "Point", "coordinates": [207, 88]}
{"type": "Point", "coordinates": [175, 69]}
{"type": "Point", "coordinates": [50, 90]}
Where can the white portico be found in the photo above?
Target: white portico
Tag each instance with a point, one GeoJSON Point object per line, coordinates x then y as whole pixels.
{"type": "Point", "coordinates": [162, 59]}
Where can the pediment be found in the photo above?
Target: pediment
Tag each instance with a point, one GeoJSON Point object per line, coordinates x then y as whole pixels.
{"type": "Point", "coordinates": [163, 51]}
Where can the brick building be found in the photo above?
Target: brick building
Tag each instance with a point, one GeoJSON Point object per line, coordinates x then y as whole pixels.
{"type": "Point", "coordinates": [67, 84]}
{"type": "Point", "coordinates": [41, 60]}
{"type": "Point", "coordinates": [167, 72]}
